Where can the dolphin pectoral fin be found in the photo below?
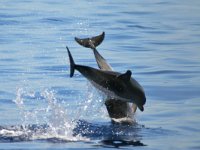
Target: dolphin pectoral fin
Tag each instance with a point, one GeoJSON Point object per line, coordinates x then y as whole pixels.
{"type": "Point", "coordinates": [92, 42]}
{"type": "Point", "coordinates": [134, 107]}
{"type": "Point", "coordinates": [72, 64]}
{"type": "Point", "coordinates": [126, 76]}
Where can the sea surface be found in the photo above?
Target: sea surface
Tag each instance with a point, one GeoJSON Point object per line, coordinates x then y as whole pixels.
{"type": "Point", "coordinates": [41, 107]}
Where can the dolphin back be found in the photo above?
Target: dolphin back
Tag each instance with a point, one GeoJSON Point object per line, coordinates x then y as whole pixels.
{"type": "Point", "coordinates": [91, 42]}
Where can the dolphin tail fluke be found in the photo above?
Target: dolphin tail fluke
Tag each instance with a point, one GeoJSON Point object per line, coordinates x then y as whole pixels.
{"type": "Point", "coordinates": [72, 64]}
{"type": "Point", "coordinates": [92, 42]}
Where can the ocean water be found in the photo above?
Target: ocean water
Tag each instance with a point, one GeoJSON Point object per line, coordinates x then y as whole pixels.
{"type": "Point", "coordinates": [42, 108]}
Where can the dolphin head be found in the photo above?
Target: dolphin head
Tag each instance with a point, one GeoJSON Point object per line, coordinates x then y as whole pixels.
{"type": "Point", "coordinates": [140, 99]}
{"type": "Point", "coordinates": [134, 90]}
{"type": "Point", "coordinates": [137, 94]}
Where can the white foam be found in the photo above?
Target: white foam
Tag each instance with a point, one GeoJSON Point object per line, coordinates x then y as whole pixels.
{"type": "Point", "coordinates": [10, 133]}
{"type": "Point", "coordinates": [19, 100]}
{"type": "Point", "coordinates": [60, 125]}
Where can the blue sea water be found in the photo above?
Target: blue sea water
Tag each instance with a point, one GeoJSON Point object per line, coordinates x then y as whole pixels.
{"type": "Point", "coordinates": [42, 108]}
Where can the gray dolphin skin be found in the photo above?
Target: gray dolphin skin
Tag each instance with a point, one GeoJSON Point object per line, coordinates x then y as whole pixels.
{"type": "Point", "coordinates": [116, 108]}
{"type": "Point", "coordinates": [115, 84]}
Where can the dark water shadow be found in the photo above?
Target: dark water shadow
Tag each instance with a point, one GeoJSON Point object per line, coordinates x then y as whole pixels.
{"type": "Point", "coordinates": [120, 143]}
{"type": "Point", "coordinates": [111, 135]}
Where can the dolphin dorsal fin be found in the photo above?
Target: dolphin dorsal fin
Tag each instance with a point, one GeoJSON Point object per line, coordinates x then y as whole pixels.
{"type": "Point", "coordinates": [126, 76]}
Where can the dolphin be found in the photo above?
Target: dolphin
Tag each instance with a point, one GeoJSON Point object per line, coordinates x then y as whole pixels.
{"type": "Point", "coordinates": [116, 85]}
{"type": "Point", "coordinates": [116, 108]}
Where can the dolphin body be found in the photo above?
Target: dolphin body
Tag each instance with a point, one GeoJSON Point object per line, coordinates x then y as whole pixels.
{"type": "Point", "coordinates": [118, 110]}
{"type": "Point", "coordinates": [116, 85]}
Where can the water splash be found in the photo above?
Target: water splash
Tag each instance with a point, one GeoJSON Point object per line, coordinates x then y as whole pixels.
{"type": "Point", "coordinates": [53, 122]}
{"type": "Point", "coordinates": [93, 103]}
{"type": "Point", "coordinates": [19, 100]}
{"type": "Point", "coordinates": [58, 124]}
{"type": "Point", "coordinates": [44, 117]}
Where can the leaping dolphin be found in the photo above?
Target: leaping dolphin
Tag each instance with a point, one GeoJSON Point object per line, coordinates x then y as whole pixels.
{"type": "Point", "coordinates": [119, 111]}
{"type": "Point", "coordinates": [115, 84]}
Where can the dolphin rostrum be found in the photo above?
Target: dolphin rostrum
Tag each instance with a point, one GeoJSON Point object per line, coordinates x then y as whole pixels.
{"type": "Point", "coordinates": [115, 84]}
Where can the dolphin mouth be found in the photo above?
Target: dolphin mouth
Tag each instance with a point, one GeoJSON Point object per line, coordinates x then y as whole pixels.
{"type": "Point", "coordinates": [141, 108]}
